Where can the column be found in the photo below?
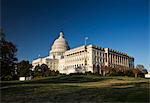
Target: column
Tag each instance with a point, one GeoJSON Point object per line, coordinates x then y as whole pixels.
{"type": "Point", "coordinates": [122, 61]}
{"type": "Point", "coordinates": [125, 61]}
{"type": "Point", "coordinates": [109, 59]}
{"type": "Point", "coordinates": [119, 59]}
{"type": "Point", "coordinates": [113, 59]}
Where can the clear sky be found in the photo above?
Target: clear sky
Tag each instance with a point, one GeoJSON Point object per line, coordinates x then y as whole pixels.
{"type": "Point", "coordinates": [33, 25]}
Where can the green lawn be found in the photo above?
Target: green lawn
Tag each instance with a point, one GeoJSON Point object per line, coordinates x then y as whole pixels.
{"type": "Point", "coordinates": [76, 88]}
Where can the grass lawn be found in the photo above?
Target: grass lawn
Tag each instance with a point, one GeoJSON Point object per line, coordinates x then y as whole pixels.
{"type": "Point", "coordinates": [76, 88]}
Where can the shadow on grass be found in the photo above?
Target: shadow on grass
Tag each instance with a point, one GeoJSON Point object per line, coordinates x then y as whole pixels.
{"type": "Point", "coordinates": [68, 79]}
{"type": "Point", "coordinates": [58, 79]}
{"type": "Point", "coordinates": [71, 94]}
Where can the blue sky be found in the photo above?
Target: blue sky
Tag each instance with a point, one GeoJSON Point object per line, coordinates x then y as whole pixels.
{"type": "Point", "coordinates": [33, 25]}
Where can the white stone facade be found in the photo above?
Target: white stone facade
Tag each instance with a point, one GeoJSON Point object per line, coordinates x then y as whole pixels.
{"type": "Point", "coordinates": [82, 59]}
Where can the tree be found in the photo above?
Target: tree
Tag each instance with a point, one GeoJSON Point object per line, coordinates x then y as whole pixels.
{"type": "Point", "coordinates": [54, 73]}
{"type": "Point", "coordinates": [41, 71]}
{"type": "Point", "coordinates": [45, 70]}
{"type": "Point", "coordinates": [7, 58]}
{"type": "Point", "coordinates": [24, 69]}
{"type": "Point", "coordinates": [37, 71]}
{"type": "Point", "coordinates": [140, 67]}
{"type": "Point", "coordinates": [129, 72]}
{"type": "Point", "coordinates": [136, 72]}
{"type": "Point", "coordinates": [105, 70]}
{"type": "Point", "coordinates": [144, 71]}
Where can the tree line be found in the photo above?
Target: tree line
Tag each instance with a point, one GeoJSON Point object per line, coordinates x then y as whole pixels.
{"type": "Point", "coordinates": [25, 69]}
{"type": "Point", "coordinates": [12, 70]}
{"type": "Point", "coordinates": [138, 71]}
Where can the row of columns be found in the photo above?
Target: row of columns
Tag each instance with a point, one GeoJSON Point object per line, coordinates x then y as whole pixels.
{"type": "Point", "coordinates": [118, 60]}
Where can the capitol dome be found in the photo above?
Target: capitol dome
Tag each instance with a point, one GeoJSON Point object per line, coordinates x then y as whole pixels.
{"type": "Point", "coordinates": [59, 46]}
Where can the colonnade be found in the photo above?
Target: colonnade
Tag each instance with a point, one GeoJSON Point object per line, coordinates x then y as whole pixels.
{"type": "Point", "coordinates": [116, 59]}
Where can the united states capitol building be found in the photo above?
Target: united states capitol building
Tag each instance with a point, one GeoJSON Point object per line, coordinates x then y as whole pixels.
{"type": "Point", "coordinates": [82, 59]}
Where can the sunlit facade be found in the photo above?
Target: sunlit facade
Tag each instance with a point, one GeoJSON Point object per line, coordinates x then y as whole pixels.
{"type": "Point", "coordinates": [82, 59]}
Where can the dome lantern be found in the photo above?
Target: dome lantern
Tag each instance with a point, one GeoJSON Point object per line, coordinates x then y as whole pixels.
{"type": "Point", "coordinates": [61, 34]}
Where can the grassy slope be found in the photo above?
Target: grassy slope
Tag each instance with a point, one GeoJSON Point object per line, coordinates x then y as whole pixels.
{"type": "Point", "coordinates": [77, 88]}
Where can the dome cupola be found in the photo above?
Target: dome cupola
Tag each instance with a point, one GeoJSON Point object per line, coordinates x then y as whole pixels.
{"type": "Point", "coordinates": [59, 46]}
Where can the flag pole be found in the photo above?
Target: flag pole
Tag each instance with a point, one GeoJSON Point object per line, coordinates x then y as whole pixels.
{"type": "Point", "coordinates": [86, 38]}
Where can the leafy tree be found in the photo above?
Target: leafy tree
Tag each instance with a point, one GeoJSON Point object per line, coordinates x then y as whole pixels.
{"type": "Point", "coordinates": [54, 73]}
{"type": "Point", "coordinates": [37, 71]}
{"type": "Point", "coordinates": [41, 71]}
{"type": "Point", "coordinates": [24, 69]}
{"type": "Point", "coordinates": [7, 58]}
{"type": "Point", "coordinates": [45, 70]}
{"type": "Point", "coordinates": [88, 73]}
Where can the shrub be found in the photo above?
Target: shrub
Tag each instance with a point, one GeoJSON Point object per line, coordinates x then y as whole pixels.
{"type": "Point", "coordinates": [88, 73]}
{"type": "Point", "coordinates": [129, 73]}
{"type": "Point", "coordinates": [8, 77]}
